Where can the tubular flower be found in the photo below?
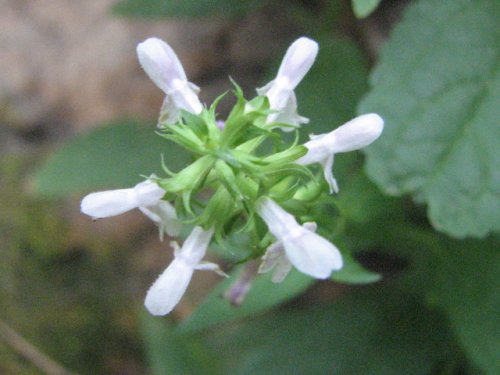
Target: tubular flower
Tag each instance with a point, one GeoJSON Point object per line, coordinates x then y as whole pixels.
{"type": "Point", "coordinates": [162, 65]}
{"type": "Point", "coordinates": [275, 257]}
{"type": "Point", "coordinates": [145, 195]}
{"type": "Point", "coordinates": [171, 285]}
{"type": "Point", "coordinates": [305, 250]}
{"type": "Point", "coordinates": [297, 61]}
{"type": "Point", "coordinates": [353, 135]}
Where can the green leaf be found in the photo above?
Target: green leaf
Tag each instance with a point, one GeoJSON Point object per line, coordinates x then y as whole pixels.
{"type": "Point", "coordinates": [438, 87]}
{"type": "Point", "coordinates": [329, 93]}
{"type": "Point", "coordinates": [467, 286]}
{"type": "Point", "coordinates": [262, 296]}
{"type": "Point", "coordinates": [111, 156]}
{"type": "Point", "coordinates": [363, 8]}
{"type": "Point", "coordinates": [184, 8]}
{"type": "Point", "coordinates": [354, 273]}
{"type": "Point", "coordinates": [367, 332]}
{"type": "Point", "coordinates": [170, 353]}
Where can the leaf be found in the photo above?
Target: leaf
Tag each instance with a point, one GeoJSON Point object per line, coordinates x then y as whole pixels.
{"type": "Point", "coordinates": [329, 93]}
{"type": "Point", "coordinates": [169, 353]}
{"type": "Point", "coordinates": [262, 296]}
{"type": "Point", "coordinates": [437, 86]}
{"type": "Point", "coordinates": [367, 332]}
{"type": "Point", "coordinates": [184, 8]}
{"type": "Point", "coordinates": [363, 8]}
{"type": "Point", "coordinates": [354, 273]}
{"type": "Point", "coordinates": [467, 288]}
{"type": "Point", "coordinates": [111, 156]}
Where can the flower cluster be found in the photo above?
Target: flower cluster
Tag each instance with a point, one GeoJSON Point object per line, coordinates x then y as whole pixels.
{"type": "Point", "coordinates": [244, 177]}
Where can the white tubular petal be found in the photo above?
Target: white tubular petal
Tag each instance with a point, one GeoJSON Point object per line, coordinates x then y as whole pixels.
{"type": "Point", "coordinates": [298, 60]}
{"type": "Point", "coordinates": [327, 165]}
{"type": "Point", "coordinates": [317, 150]}
{"type": "Point", "coordinates": [109, 203]}
{"type": "Point", "coordinates": [160, 63]}
{"type": "Point", "coordinates": [195, 246]}
{"type": "Point", "coordinates": [271, 257]}
{"type": "Point", "coordinates": [168, 289]}
{"type": "Point", "coordinates": [164, 215]}
{"type": "Point", "coordinates": [148, 193]}
{"type": "Point", "coordinates": [312, 254]}
{"type": "Point", "coordinates": [283, 268]}
{"type": "Point", "coordinates": [279, 222]}
{"type": "Point", "coordinates": [207, 266]}
{"type": "Point", "coordinates": [357, 133]}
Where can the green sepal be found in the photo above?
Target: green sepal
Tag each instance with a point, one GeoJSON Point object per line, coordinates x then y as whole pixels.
{"type": "Point", "coordinates": [220, 209]}
{"type": "Point", "coordinates": [226, 176]}
{"type": "Point", "coordinates": [287, 156]}
{"type": "Point", "coordinates": [185, 137]}
{"type": "Point", "coordinates": [309, 192]}
{"type": "Point", "coordinates": [191, 177]}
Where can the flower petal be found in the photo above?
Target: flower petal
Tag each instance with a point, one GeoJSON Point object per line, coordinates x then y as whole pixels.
{"type": "Point", "coordinates": [164, 215]}
{"type": "Point", "coordinates": [312, 254]}
{"type": "Point", "coordinates": [195, 246]}
{"type": "Point", "coordinates": [168, 289]}
{"type": "Point", "coordinates": [109, 203]}
{"type": "Point", "coordinates": [357, 133]}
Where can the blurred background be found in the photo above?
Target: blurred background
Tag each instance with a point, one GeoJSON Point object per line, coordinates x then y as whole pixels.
{"type": "Point", "coordinates": [71, 290]}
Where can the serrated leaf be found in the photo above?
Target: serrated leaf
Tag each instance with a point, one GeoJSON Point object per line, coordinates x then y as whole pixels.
{"type": "Point", "coordinates": [262, 296]}
{"type": "Point", "coordinates": [184, 8]}
{"type": "Point", "coordinates": [437, 86]}
{"type": "Point", "coordinates": [111, 156]}
{"type": "Point", "coordinates": [363, 8]}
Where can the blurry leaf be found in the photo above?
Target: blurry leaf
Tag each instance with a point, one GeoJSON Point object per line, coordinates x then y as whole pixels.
{"type": "Point", "coordinates": [262, 296]}
{"type": "Point", "coordinates": [438, 87]}
{"type": "Point", "coordinates": [467, 286]}
{"type": "Point", "coordinates": [367, 332]}
{"type": "Point", "coordinates": [363, 8]}
{"type": "Point", "coordinates": [185, 8]}
{"type": "Point", "coordinates": [169, 353]}
{"type": "Point", "coordinates": [329, 93]}
{"type": "Point", "coordinates": [354, 273]}
{"type": "Point", "coordinates": [112, 156]}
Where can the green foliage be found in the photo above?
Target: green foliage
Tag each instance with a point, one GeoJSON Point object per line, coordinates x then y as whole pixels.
{"type": "Point", "coordinates": [363, 8]}
{"type": "Point", "coordinates": [171, 353]}
{"type": "Point", "coordinates": [113, 155]}
{"type": "Point", "coordinates": [184, 8]}
{"type": "Point", "coordinates": [262, 296]}
{"type": "Point", "coordinates": [467, 288]}
{"type": "Point", "coordinates": [333, 87]}
{"type": "Point", "coordinates": [437, 86]}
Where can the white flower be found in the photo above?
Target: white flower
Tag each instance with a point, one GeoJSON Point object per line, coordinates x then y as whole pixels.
{"type": "Point", "coordinates": [145, 195]}
{"type": "Point", "coordinates": [171, 285]}
{"type": "Point", "coordinates": [305, 250]}
{"type": "Point", "coordinates": [297, 61]}
{"type": "Point", "coordinates": [275, 257]}
{"type": "Point", "coordinates": [353, 135]}
{"type": "Point", "coordinates": [162, 65]}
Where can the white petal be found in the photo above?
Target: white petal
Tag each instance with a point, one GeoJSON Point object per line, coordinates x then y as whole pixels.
{"type": "Point", "coordinates": [148, 193]}
{"type": "Point", "coordinates": [298, 60]}
{"type": "Point", "coordinates": [168, 289]}
{"type": "Point", "coordinates": [109, 203]}
{"type": "Point", "coordinates": [208, 266]}
{"type": "Point", "coordinates": [283, 268]}
{"type": "Point", "coordinates": [327, 165]}
{"type": "Point", "coordinates": [357, 133]}
{"type": "Point", "coordinates": [271, 257]}
{"type": "Point", "coordinates": [279, 222]}
{"type": "Point", "coordinates": [164, 215]}
{"type": "Point", "coordinates": [195, 246]}
{"type": "Point", "coordinates": [312, 254]}
{"type": "Point", "coordinates": [160, 63]}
